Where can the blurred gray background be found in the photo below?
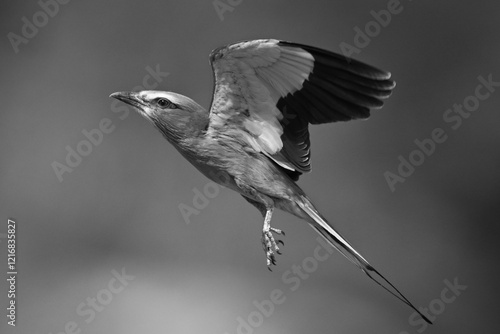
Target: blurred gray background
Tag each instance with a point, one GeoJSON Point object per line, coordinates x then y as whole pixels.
{"type": "Point", "coordinates": [119, 208]}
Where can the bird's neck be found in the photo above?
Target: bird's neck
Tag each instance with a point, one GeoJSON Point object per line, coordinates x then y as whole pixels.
{"type": "Point", "coordinates": [182, 127]}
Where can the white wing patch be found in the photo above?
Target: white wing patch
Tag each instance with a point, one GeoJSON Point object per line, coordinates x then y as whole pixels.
{"type": "Point", "coordinates": [259, 72]}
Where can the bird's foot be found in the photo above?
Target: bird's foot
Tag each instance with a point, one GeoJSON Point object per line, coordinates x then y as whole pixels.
{"type": "Point", "coordinates": [270, 245]}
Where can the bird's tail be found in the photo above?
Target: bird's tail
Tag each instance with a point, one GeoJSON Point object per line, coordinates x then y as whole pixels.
{"type": "Point", "coordinates": [336, 240]}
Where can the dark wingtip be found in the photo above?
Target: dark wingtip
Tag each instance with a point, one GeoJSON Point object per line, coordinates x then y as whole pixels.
{"type": "Point", "coordinates": [349, 64]}
{"type": "Point", "coordinates": [392, 82]}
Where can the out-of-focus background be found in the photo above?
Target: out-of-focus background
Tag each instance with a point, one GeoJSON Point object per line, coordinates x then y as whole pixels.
{"type": "Point", "coordinates": [81, 223]}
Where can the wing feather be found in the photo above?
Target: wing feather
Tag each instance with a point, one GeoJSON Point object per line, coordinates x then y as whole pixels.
{"type": "Point", "coordinates": [268, 91]}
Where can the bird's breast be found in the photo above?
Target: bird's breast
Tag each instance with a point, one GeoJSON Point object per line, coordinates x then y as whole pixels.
{"type": "Point", "coordinates": [230, 162]}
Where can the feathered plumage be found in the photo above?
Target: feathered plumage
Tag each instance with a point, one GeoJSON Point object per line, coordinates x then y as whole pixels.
{"type": "Point", "coordinates": [255, 138]}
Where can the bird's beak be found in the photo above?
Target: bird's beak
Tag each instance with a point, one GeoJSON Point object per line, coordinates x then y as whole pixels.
{"type": "Point", "coordinates": [131, 98]}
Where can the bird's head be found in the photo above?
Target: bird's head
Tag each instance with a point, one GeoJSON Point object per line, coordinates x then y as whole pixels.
{"type": "Point", "coordinates": [176, 116]}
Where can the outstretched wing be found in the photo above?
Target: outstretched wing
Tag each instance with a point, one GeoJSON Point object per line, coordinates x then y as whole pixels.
{"type": "Point", "coordinates": [268, 91]}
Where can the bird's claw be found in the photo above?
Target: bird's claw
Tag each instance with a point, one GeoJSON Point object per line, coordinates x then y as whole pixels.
{"type": "Point", "coordinates": [270, 245]}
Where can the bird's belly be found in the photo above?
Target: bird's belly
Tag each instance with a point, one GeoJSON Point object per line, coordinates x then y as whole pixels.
{"type": "Point", "coordinates": [213, 170]}
{"type": "Point", "coordinates": [230, 164]}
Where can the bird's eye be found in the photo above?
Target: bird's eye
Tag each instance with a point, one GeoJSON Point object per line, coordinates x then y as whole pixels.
{"type": "Point", "coordinates": [164, 103]}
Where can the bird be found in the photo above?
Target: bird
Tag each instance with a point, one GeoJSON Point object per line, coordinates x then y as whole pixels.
{"type": "Point", "coordinates": [254, 139]}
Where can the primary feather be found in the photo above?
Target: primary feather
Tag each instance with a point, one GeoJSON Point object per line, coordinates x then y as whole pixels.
{"type": "Point", "coordinates": [273, 89]}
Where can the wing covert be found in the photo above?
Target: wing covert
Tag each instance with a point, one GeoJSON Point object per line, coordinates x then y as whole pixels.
{"type": "Point", "coordinates": [268, 91]}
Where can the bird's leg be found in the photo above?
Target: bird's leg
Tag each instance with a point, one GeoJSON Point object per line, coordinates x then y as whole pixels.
{"type": "Point", "coordinates": [266, 207]}
{"type": "Point", "coordinates": [268, 242]}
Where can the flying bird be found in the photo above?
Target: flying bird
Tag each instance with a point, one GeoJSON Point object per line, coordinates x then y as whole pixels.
{"type": "Point", "coordinates": [255, 139]}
